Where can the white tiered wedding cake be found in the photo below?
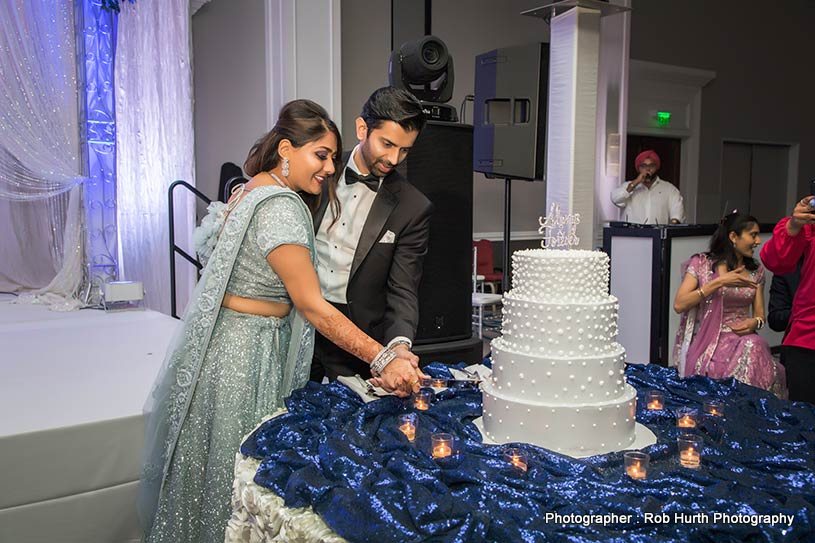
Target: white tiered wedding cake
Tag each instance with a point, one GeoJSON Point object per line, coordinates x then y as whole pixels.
{"type": "Point", "coordinates": [558, 374]}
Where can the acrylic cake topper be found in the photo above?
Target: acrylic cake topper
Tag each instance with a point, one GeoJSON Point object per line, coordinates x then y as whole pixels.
{"type": "Point", "coordinates": [558, 230]}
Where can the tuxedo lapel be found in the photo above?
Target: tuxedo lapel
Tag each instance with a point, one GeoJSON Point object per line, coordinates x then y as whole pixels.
{"type": "Point", "coordinates": [320, 212]}
{"type": "Point", "coordinates": [386, 200]}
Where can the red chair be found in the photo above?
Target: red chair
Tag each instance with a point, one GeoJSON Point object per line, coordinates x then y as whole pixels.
{"type": "Point", "coordinates": [485, 264]}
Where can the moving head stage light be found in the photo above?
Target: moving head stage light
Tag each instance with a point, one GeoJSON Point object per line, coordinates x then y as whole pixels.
{"type": "Point", "coordinates": [425, 68]}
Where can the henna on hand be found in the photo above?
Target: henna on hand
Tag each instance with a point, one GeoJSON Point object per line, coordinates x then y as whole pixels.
{"type": "Point", "coordinates": [346, 335]}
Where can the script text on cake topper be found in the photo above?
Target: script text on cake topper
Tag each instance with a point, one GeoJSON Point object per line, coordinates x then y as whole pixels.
{"type": "Point", "coordinates": [558, 230]}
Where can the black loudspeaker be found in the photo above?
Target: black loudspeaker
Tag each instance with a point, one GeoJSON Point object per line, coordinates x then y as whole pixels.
{"type": "Point", "coordinates": [509, 112]}
{"type": "Point", "coordinates": [451, 352]}
{"type": "Point", "coordinates": [439, 165]}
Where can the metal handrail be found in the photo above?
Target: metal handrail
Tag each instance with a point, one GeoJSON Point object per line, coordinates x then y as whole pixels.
{"type": "Point", "coordinates": [175, 248]}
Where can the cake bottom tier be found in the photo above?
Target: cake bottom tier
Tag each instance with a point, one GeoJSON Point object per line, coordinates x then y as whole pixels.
{"type": "Point", "coordinates": [577, 430]}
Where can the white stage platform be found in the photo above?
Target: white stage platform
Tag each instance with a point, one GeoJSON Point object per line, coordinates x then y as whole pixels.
{"type": "Point", "coordinates": [72, 388]}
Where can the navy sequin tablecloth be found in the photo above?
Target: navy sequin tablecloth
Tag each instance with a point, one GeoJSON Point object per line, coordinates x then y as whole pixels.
{"type": "Point", "coordinates": [348, 461]}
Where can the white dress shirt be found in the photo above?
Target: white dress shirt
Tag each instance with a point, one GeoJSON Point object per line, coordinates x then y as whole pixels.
{"type": "Point", "coordinates": [658, 205]}
{"type": "Point", "coordinates": [336, 247]}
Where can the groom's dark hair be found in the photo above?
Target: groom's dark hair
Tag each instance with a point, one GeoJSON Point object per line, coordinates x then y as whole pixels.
{"type": "Point", "coordinates": [393, 104]}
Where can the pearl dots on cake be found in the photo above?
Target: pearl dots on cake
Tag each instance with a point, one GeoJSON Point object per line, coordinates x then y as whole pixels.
{"type": "Point", "coordinates": [558, 317]}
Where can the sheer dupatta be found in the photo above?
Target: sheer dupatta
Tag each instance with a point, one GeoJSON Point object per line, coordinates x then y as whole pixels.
{"type": "Point", "coordinates": [168, 404]}
{"type": "Point", "coordinates": [699, 327]}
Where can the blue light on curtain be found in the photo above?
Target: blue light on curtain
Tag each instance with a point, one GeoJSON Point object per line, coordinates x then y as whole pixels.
{"type": "Point", "coordinates": [96, 51]}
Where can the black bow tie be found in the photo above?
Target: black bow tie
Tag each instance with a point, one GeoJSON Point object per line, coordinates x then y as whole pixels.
{"type": "Point", "coordinates": [370, 181]}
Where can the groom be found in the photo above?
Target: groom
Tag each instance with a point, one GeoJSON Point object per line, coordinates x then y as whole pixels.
{"type": "Point", "coordinates": [370, 255]}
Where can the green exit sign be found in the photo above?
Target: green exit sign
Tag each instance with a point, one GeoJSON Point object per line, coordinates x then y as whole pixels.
{"type": "Point", "coordinates": [663, 118]}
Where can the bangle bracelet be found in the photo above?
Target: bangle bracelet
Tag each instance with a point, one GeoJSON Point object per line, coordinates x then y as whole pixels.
{"type": "Point", "coordinates": [385, 357]}
{"type": "Point", "coordinates": [759, 323]}
{"type": "Point", "coordinates": [399, 341]}
{"type": "Point", "coordinates": [701, 293]}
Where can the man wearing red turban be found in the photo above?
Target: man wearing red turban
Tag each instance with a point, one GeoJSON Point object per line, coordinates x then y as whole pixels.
{"type": "Point", "coordinates": [649, 199]}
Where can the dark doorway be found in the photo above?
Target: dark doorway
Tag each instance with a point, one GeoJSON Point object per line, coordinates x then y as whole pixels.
{"type": "Point", "coordinates": [753, 179]}
{"type": "Point", "coordinates": [668, 149]}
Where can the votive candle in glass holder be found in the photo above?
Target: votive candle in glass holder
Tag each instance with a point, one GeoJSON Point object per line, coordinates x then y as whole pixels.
{"type": "Point", "coordinates": [421, 399]}
{"type": "Point", "coordinates": [690, 450]}
{"type": "Point", "coordinates": [686, 417]}
{"type": "Point", "coordinates": [713, 408]}
{"type": "Point", "coordinates": [517, 458]}
{"type": "Point", "coordinates": [442, 446]}
{"type": "Point", "coordinates": [654, 400]}
{"type": "Point", "coordinates": [408, 424]}
{"type": "Point", "coordinates": [636, 464]}
{"type": "Point", "coordinates": [433, 382]}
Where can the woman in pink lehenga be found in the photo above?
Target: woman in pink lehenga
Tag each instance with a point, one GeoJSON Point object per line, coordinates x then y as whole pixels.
{"type": "Point", "coordinates": [721, 300]}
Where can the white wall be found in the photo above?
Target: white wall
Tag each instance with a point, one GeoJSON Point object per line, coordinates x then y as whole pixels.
{"type": "Point", "coordinates": [468, 28]}
{"type": "Point", "coordinates": [366, 45]}
{"type": "Point", "coordinates": [660, 87]}
{"type": "Point", "coordinates": [229, 71]}
{"type": "Point", "coordinates": [304, 44]}
{"type": "Point", "coordinates": [760, 93]}
{"type": "Point", "coordinates": [761, 53]}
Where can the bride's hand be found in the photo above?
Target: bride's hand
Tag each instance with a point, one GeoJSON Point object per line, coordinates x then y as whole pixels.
{"type": "Point", "coordinates": [401, 376]}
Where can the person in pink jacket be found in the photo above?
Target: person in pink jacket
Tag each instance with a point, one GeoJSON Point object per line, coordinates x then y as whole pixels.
{"type": "Point", "coordinates": [794, 239]}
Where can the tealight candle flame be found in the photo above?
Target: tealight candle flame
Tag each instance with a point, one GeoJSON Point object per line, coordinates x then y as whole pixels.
{"type": "Point", "coordinates": [636, 471]}
{"type": "Point", "coordinates": [655, 404]}
{"type": "Point", "coordinates": [714, 408]}
{"type": "Point", "coordinates": [686, 421]}
{"type": "Point", "coordinates": [518, 462]}
{"type": "Point", "coordinates": [690, 458]}
{"type": "Point", "coordinates": [409, 429]}
{"type": "Point", "coordinates": [442, 450]}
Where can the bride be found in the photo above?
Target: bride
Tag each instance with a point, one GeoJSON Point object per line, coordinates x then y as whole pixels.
{"type": "Point", "coordinates": [248, 332]}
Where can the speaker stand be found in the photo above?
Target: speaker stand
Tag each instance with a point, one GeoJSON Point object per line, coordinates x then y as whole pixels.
{"type": "Point", "coordinates": [507, 232]}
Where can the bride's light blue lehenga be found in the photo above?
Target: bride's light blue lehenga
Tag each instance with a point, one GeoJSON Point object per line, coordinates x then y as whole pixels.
{"type": "Point", "coordinates": [225, 370]}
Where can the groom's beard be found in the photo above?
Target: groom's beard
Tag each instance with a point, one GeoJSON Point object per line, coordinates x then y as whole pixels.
{"type": "Point", "coordinates": [374, 165]}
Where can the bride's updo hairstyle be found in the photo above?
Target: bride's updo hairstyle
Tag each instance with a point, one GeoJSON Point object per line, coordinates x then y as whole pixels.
{"type": "Point", "coordinates": [300, 122]}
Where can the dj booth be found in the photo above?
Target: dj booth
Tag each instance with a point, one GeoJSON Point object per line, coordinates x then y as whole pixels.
{"type": "Point", "coordinates": [646, 265]}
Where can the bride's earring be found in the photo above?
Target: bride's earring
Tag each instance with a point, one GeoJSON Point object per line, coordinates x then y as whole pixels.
{"type": "Point", "coordinates": [285, 171]}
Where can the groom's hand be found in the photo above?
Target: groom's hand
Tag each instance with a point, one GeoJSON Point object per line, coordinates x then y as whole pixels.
{"type": "Point", "coordinates": [399, 377]}
{"type": "Point", "coordinates": [402, 376]}
{"type": "Point", "coordinates": [402, 351]}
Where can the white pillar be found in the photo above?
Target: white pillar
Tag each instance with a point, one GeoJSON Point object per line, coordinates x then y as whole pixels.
{"type": "Point", "coordinates": [572, 116]}
{"type": "Point", "coordinates": [303, 57]}
{"type": "Point", "coordinates": [612, 114]}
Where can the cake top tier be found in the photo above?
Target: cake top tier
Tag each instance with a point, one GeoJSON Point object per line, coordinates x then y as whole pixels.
{"type": "Point", "coordinates": [560, 276]}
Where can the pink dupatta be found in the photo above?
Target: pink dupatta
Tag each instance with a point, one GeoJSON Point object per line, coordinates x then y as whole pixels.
{"type": "Point", "coordinates": [700, 327]}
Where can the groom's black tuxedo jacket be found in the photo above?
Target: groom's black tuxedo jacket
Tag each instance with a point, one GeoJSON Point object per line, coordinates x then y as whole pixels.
{"type": "Point", "coordinates": [382, 290]}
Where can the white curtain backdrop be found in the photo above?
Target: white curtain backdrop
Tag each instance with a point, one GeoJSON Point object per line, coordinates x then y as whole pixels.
{"type": "Point", "coordinates": [154, 143]}
{"type": "Point", "coordinates": [40, 166]}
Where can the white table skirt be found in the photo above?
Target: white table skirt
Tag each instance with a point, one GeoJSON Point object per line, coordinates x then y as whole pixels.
{"type": "Point", "coordinates": [260, 516]}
